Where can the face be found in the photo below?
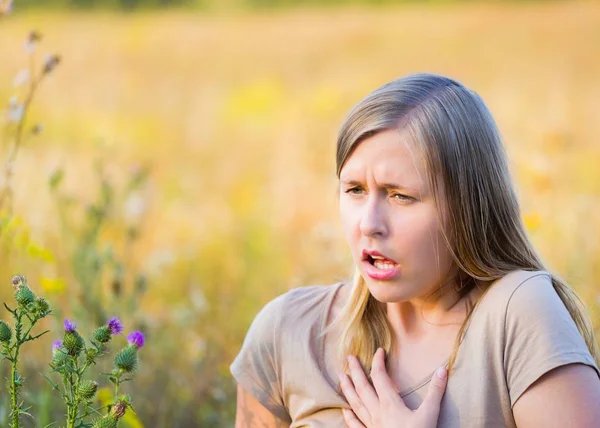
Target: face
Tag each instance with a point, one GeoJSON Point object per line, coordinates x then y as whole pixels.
{"type": "Point", "coordinates": [390, 220]}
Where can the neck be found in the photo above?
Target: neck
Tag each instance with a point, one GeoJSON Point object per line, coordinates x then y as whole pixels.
{"type": "Point", "coordinates": [419, 316]}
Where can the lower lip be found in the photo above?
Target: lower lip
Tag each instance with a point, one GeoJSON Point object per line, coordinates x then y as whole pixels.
{"type": "Point", "coordinates": [375, 273]}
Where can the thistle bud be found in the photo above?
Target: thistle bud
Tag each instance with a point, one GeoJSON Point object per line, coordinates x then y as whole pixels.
{"type": "Point", "coordinates": [73, 343]}
{"type": "Point", "coordinates": [118, 410]}
{"type": "Point", "coordinates": [42, 305]}
{"type": "Point", "coordinates": [5, 332]}
{"type": "Point", "coordinates": [106, 422]}
{"type": "Point", "coordinates": [127, 359]}
{"type": "Point", "coordinates": [56, 345]}
{"type": "Point", "coordinates": [88, 389]}
{"type": "Point", "coordinates": [24, 296]}
{"type": "Point", "coordinates": [102, 334]}
{"type": "Point", "coordinates": [59, 359]}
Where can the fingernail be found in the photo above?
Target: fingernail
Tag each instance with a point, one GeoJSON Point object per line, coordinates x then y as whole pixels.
{"type": "Point", "coordinates": [441, 373]}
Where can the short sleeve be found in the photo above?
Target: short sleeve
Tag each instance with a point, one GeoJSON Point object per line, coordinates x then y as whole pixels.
{"type": "Point", "coordinates": [540, 335]}
{"type": "Point", "coordinates": [256, 367]}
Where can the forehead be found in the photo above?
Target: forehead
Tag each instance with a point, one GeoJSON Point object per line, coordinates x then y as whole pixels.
{"type": "Point", "coordinates": [387, 155]}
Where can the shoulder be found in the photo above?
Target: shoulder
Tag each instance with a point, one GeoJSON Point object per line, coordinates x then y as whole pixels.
{"type": "Point", "coordinates": [519, 302]}
{"type": "Point", "coordinates": [517, 283]}
{"type": "Point", "coordinates": [296, 306]}
{"type": "Point", "coordinates": [519, 291]}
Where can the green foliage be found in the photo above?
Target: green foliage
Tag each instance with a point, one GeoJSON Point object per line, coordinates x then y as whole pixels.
{"type": "Point", "coordinates": [25, 316]}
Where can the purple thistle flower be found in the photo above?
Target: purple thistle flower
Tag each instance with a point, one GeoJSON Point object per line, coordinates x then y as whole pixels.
{"type": "Point", "coordinates": [136, 339]}
{"type": "Point", "coordinates": [115, 326]}
{"type": "Point", "coordinates": [56, 345]}
{"type": "Point", "coordinates": [70, 326]}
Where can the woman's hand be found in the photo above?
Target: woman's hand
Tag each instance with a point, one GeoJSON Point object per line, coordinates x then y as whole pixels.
{"type": "Point", "coordinates": [382, 407]}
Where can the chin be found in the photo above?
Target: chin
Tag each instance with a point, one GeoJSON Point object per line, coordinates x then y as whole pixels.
{"type": "Point", "coordinates": [387, 292]}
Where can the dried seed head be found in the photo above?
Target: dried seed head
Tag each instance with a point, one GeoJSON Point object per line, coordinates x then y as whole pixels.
{"type": "Point", "coordinates": [19, 281]}
{"type": "Point", "coordinates": [34, 36]}
{"type": "Point", "coordinates": [50, 63]}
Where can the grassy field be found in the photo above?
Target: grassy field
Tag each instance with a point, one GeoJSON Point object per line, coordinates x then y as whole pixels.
{"type": "Point", "coordinates": [237, 116]}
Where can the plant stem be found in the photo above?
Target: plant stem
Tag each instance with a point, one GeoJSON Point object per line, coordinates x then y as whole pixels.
{"type": "Point", "coordinates": [13, 394]}
{"type": "Point", "coordinates": [14, 387]}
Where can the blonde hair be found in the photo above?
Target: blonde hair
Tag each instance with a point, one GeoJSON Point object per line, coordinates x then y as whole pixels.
{"type": "Point", "coordinates": [465, 160]}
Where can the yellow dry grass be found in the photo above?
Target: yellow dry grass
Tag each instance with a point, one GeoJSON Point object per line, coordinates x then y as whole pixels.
{"type": "Point", "coordinates": [238, 114]}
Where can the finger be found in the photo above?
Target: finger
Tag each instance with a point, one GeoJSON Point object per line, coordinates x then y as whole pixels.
{"type": "Point", "coordinates": [351, 420]}
{"type": "Point", "coordinates": [431, 404]}
{"type": "Point", "coordinates": [384, 387]}
{"type": "Point", "coordinates": [354, 399]}
{"type": "Point", "coordinates": [363, 387]}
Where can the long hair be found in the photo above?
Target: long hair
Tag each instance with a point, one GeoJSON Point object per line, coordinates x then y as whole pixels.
{"type": "Point", "coordinates": [467, 170]}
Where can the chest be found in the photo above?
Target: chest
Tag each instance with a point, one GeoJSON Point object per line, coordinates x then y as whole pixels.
{"type": "Point", "coordinates": [413, 363]}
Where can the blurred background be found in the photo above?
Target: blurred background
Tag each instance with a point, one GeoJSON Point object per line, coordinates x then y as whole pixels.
{"type": "Point", "coordinates": [176, 168]}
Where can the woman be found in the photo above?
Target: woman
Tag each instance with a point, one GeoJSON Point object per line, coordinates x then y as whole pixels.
{"type": "Point", "coordinates": [446, 282]}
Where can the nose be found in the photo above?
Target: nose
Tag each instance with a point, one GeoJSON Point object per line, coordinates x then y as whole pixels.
{"type": "Point", "coordinates": [374, 218]}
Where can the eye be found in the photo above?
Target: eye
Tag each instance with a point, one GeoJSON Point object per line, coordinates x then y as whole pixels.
{"type": "Point", "coordinates": [401, 197]}
{"type": "Point", "coordinates": [354, 191]}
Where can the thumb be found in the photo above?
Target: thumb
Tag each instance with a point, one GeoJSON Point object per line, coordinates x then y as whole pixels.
{"type": "Point", "coordinates": [437, 387]}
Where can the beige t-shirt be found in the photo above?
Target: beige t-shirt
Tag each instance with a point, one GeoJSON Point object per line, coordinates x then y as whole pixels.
{"type": "Point", "coordinates": [520, 331]}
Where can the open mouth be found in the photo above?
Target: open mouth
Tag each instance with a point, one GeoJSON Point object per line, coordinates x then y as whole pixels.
{"type": "Point", "coordinates": [380, 262]}
{"type": "Point", "coordinates": [379, 267]}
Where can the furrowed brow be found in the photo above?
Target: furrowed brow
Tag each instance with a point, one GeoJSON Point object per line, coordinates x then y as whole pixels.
{"type": "Point", "coordinates": [383, 185]}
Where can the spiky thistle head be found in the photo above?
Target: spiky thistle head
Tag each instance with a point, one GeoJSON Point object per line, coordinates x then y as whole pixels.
{"type": "Point", "coordinates": [127, 359]}
{"type": "Point", "coordinates": [5, 332]}
{"type": "Point", "coordinates": [56, 345]}
{"type": "Point", "coordinates": [113, 327]}
{"type": "Point", "coordinates": [72, 341]}
{"type": "Point", "coordinates": [115, 413]}
{"type": "Point", "coordinates": [102, 334]}
{"type": "Point", "coordinates": [118, 410]}
{"type": "Point", "coordinates": [88, 389]}
{"type": "Point", "coordinates": [42, 307]}
{"type": "Point", "coordinates": [24, 296]}
{"type": "Point", "coordinates": [59, 356]}
{"type": "Point", "coordinates": [105, 422]}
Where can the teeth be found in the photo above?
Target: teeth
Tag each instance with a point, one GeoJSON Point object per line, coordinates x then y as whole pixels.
{"type": "Point", "coordinates": [383, 265]}
{"type": "Point", "coordinates": [378, 257]}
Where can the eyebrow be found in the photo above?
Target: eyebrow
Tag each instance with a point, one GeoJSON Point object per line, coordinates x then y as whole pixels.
{"type": "Point", "coordinates": [384, 185]}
